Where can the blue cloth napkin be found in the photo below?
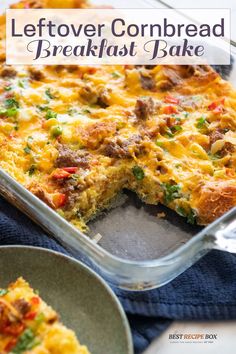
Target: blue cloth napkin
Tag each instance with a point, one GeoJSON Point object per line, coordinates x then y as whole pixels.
{"type": "Point", "coordinates": [206, 291]}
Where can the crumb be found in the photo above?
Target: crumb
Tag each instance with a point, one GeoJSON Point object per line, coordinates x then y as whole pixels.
{"type": "Point", "coordinates": [161, 215]}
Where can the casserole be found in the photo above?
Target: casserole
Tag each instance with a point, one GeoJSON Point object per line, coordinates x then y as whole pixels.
{"type": "Point", "coordinates": [140, 253]}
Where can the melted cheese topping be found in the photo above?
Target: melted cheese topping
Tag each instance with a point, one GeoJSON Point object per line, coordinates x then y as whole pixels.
{"type": "Point", "coordinates": [76, 136]}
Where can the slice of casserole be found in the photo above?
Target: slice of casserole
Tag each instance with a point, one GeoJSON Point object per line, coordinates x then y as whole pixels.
{"type": "Point", "coordinates": [29, 326]}
{"type": "Point", "coordinates": [76, 136]}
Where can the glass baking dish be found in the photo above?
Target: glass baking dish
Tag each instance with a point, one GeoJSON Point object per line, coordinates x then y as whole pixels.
{"type": "Point", "coordinates": [136, 249]}
{"type": "Point", "coordinates": [171, 240]}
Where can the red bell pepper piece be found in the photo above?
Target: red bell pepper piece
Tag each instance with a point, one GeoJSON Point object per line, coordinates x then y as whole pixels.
{"type": "Point", "coordinates": [60, 200]}
{"type": "Point", "coordinates": [30, 315]}
{"type": "Point", "coordinates": [171, 99]}
{"type": "Point", "coordinates": [170, 110]}
{"type": "Point", "coordinates": [14, 329]}
{"type": "Point", "coordinates": [60, 173]}
{"type": "Point", "coordinates": [10, 345]}
{"type": "Point", "coordinates": [35, 300]}
{"type": "Point", "coordinates": [216, 106]}
{"type": "Point", "coordinates": [70, 169]}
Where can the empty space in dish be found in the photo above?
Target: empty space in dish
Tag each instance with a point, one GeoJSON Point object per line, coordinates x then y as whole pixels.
{"type": "Point", "coordinates": [137, 231]}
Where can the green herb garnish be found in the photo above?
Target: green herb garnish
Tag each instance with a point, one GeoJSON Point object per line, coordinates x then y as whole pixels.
{"type": "Point", "coordinates": [50, 114]}
{"type": "Point", "coordinates": [215, 156]}
{"type": "Point", "coordinates": [201, 123]}
{"type": "Point", "coordinates": [72, 111]}
{"type": "Point", "coordinates": [3, 292]}
{"type": "Point", "coordinates": [12, 103]}
{"type": "Point", "coordinates": [39, 319]}
{"type": "Point", "coordinates": [12, 112]}
{"type": "Point", "coordinates": [86, 111]}
{"type": "Point", "coordinates": [8, 88]}
{"type": "Point", "coordinates": [56, 131]}
{"type": "Point", "coordinates": [176, 128]}
{"type": "Point", "coordinates": [27, 150]}
{"type": "Point", "coordinates": [168, 133]}
{"type": "Point", "coordinates": [138, 173]}
{"type": "Point", "coordinates": [186, 114]}
{"type": "Point", "coordinates": [11, 108]}
{"type": "Point", "coordinates": [190, 215]}
{"type": "Point", "coordinates": [49, 94]}
{"type": "Point", "coordinates": [171, 192]}
{"type": "Point", "coordinates": [21, 84]}
{"type": "Point", "coordinates": [26, 341]}
{"type": "Point", "coordinates": [42, 107]}
{"type": "Point", "coordinates": [32, 170]}
{"type": "Point", "coordinates": [159, 143]}
{"type": "Point", "coordinates": [115, 75]}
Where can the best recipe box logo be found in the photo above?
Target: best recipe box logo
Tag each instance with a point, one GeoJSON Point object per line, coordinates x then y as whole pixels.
{"type": "Point", "coordinates": [121, 36]}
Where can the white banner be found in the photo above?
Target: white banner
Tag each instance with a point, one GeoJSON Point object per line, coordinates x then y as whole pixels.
{"type": "Point", "coordinates": [118, 36]}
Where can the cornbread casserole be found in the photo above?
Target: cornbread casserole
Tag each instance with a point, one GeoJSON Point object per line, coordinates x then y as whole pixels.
{"type": "Point", "coordinates": [29, 325]}
{"type": "Point", "coordinates": [77, 136]}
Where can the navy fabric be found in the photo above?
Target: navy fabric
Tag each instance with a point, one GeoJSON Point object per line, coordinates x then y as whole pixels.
{"type": "Point", "coordinates": [206, 291]}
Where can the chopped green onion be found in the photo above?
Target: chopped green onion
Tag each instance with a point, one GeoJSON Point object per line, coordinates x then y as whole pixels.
{"type": "Point", "coordinates": [86, 111]}
{"type": "Point", "coordinates": [186, 114]}
{"type": "Point", "coordinates": [42, 107]}
{"type": "Point", "coordinates": [115, 75]}
{"type": "Point", "coordinates": [30, 139]}
{"type": "Point", "coordinates": [50, 114]}
{"type": "Point", "coordinates": [159, 143]}
{"type": "Point", "coordinates": [190, 215]}
{"type": "Point", "coordinates": [40, 318]}
{"type": "Point", "coordinates": [138, 173]}
{"type": "Point", "coordinates": [176, 128]}
{"type": "Point", "coordinates": [12, 103]}
{"type": "Point", "coordinates": [215, 156]}
{"type": "Point", "coordinates": [8, 88]}
{"type": "Point", "coordinates": [72, 111]}
{"type": "Point", "coordinates": [49, 94]}
{"type": "Point", "coordinates": [32, 170]}
{"type": "Point", "coordinates": [26, 341]}
{"type": "Point", "coordinates": [12, 112]}
{"type": "Point", "coordinates": [168, 133]}
{"type": "Point", "coordinates": [21, 84]}
{"type": "Point", "coordinates": [11, 108]}
{"type": "Point", "coordinates": [56, 131]}
{"type": "Point", "coordinates": [27, 149]}
{"type": "Point", "coordinates": [201, 122]}
{"type": "Point", "coordinates": [3, 292]}
{"type": "Point", "coordinates": [171, 192]}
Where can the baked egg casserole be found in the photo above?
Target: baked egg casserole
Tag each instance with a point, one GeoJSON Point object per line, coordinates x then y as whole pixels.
{"type": "Point", "coordinates": [29, 326]}
{"type": "Point", "coordinates": [76, 136]}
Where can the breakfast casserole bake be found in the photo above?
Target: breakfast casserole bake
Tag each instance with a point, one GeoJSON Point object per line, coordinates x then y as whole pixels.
{"type": "Point", "coordinates": [29, 325]}
{"type": "Point", "coordinates": [76, 136]}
